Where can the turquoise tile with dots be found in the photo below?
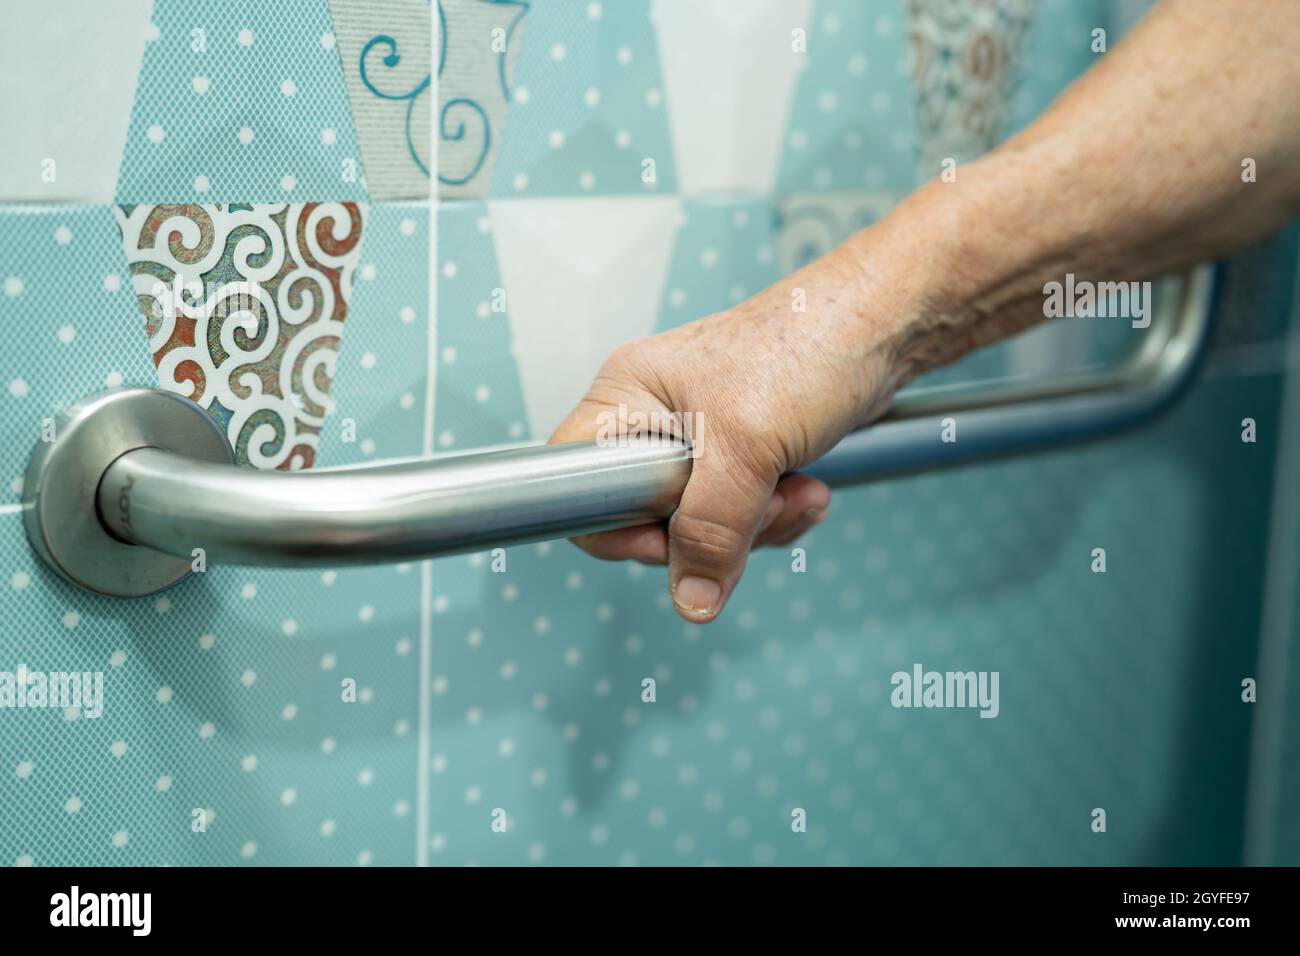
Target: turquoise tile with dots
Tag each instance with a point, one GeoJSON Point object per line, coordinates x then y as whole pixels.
{"type": "Point", "coordinates": [380, 385]}
{"type": "Point", "coordinates": [852, 125]}
{"type": "Point", "coordinates": [479, 401]}
{"type": "Point", "coordinates": [240, 102]}
{"type": "Point", "coordinates": [284, 706]}
{"type": "Point", "coordinates": [784, 703]}
{"type": "Point", "coordinates": [724, 253]}
{"type": "Point", "coordinates": [587, 105]}
{"type": "Point", "coordinates": [222, 695]}
{"type": "Point", "coordinates": [69, 321]}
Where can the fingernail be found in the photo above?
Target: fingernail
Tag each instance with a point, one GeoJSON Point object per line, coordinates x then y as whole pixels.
{"type": "Point", "coordinates": [815, 515]}
{"type": "Point", "coordinates": [697, 596]}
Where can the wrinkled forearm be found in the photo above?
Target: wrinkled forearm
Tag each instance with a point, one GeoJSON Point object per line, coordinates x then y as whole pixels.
{"type": "Point", "coordinates": [1134, 172]}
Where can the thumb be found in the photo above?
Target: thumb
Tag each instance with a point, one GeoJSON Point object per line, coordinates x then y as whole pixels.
{"type": "Point", "coordinates": [710, 534]}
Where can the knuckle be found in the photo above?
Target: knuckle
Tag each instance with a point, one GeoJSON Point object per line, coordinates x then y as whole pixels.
{"type": "Point", "coordinates": [751, 445]}
{"type": "Point", "coordinates": [625, 377]}
{"type": "Point", "coordinates": [627, 356]}
{"type": "Point", "coordinates": [621, 355]}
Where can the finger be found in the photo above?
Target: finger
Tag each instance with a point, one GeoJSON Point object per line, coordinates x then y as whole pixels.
{"type": "Point", "coordinates": [710, 534]}
{"type": "Point", "coordinates": [775, 505]}
{"type": "Point", "coordinates": [809, 521]}
{"type": "Point", "coordinates": [647, 543]}
{"type": "Point", "coordinates": [805, 502]}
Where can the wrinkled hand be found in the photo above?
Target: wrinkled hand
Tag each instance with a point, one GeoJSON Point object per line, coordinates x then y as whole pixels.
{"type": "Point", "coordinates": [775, 386]}
{"type": "Point", "coordinates": [959, 264]}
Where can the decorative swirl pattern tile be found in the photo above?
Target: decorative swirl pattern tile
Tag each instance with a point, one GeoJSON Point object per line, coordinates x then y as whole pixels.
{"type": "Point", "coordinates": [963, 55]}
{"type": "Point", "coordinates": [244, 306]}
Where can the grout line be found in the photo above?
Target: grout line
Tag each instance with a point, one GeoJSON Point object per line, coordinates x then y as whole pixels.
{"type": "Point", "coordinates": [422, 762]}
{"type": "Point", "coordinates": [426, 567]}
{"type": "Point", "coordinates": [1263, 772]}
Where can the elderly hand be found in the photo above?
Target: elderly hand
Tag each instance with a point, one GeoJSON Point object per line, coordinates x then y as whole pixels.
{"type": "Point", "coordinates": [775, 381]}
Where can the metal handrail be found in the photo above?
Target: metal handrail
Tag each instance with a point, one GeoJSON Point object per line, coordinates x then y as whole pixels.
{"type": "Point", "coordinates": [140, 480]}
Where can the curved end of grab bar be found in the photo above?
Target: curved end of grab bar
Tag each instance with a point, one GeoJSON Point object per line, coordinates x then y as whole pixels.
{"type": "Point", "coordinates": [394, 512]}
{"type": "Point", "coordinates": [139, 480]}
{"type": "Point", "coordinates": [1004, 420]}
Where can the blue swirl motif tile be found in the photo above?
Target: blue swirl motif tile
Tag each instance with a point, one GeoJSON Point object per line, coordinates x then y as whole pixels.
{"type": "Point", "coordinates": [240, 102]}
{"type": "Point", "coordinates": [479, 45]}
{"type": "Point", "coordinates": [384, 47]}
{"type": "Point", "coordinates": [410, 97]}
{"type": "Point", "coordinates": [390, 75]}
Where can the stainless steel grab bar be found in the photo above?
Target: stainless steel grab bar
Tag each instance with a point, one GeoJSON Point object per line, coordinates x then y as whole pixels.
{"type": "Point", "coordinates": [394, 512]}
{"type": "Point", "coordinates": [138, 486]}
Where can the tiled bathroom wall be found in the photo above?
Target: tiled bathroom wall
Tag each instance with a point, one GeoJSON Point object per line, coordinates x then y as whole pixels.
{"type": "Point", "coordinates": [604, 170]}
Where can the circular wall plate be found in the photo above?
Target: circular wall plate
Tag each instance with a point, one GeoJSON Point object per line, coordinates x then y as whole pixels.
{"type": "Point", "coordinates": [63, 475]}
